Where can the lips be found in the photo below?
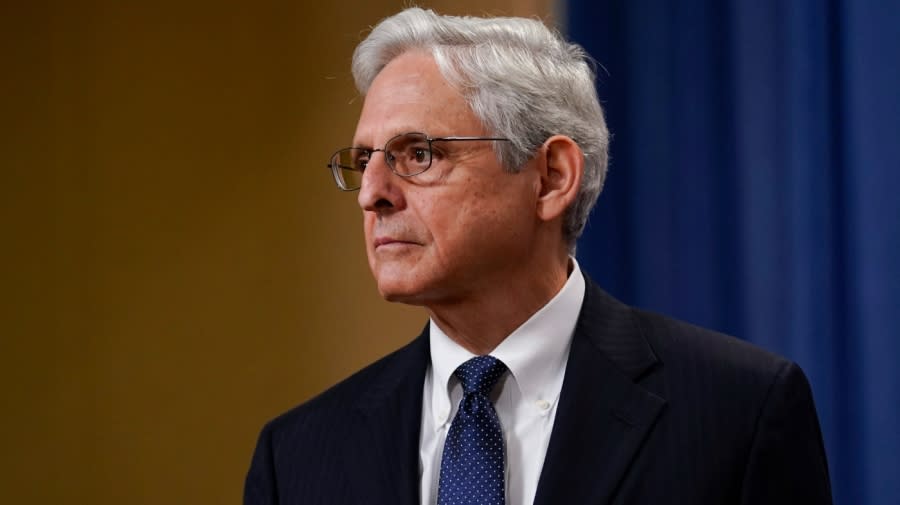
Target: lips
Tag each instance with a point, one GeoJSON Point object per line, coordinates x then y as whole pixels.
{"type": "Point", "coordinates": [382, 241]}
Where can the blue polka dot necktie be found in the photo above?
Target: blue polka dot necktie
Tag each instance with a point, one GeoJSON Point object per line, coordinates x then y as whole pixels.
{"type": "Point", "coordinates": [472, 463]}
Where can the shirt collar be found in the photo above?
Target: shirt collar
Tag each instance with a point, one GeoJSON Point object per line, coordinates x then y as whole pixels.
{"type": "Point", "coordinates": [535, 353]}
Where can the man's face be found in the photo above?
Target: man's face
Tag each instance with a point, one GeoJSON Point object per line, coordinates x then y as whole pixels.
{"type": "Point", "coordinates": [462, 227]}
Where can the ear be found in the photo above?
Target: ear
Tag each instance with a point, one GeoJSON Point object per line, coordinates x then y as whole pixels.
{"type": "Point", "coordinates": [561, 167]}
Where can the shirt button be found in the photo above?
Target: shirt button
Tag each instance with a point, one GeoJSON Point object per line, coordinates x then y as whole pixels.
{"type": "Point", "coordinates": [442, 417]}
{"type": "Point", "coordinates": [542, 404]}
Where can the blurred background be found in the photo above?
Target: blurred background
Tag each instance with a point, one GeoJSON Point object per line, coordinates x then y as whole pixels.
{"type": "Point", "coordinates": [178, 267]}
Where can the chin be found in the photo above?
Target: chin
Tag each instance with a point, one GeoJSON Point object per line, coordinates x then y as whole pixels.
{"type": "Point", "coordinates": [397, 281]}
{"type": "Point", "coordinates": [404, 299]}
{"type": "Point", "coordinates": [401, 296]}
{"type": "Point", "coordinates": [402, 287]}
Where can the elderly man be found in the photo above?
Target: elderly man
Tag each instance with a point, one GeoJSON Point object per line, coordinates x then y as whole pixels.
{"type": "Point", "coordinates": [479, 152]}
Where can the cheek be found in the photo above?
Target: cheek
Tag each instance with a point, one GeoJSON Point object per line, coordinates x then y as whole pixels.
{"type": "Point", "coordinates": [460, 223]}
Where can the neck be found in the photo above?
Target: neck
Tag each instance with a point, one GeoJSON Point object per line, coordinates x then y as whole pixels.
{"type": "Point", "coordinates": [479, 323]}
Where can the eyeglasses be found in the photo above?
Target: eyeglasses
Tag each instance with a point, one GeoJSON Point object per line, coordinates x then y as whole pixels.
{"type": "Point", "coordinates": [407, 154]}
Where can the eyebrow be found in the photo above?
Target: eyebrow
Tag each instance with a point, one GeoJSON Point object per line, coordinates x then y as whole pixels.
{"type": "Point", "coordinates": [396, 132]}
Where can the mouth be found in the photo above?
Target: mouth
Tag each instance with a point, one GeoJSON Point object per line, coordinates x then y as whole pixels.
{"type": "Point", "coordinates": [390, 241]}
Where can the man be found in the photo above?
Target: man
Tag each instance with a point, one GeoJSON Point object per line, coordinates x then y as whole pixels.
{"type": "Point", "coordinates": [480, 150]}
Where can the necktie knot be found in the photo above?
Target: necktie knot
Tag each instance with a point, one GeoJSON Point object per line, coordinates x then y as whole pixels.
{"type": "Point", "coordinates": [480, 374]}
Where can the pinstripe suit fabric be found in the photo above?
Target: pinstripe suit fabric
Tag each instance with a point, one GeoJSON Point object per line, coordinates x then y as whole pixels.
{"type": "Point", "coordinates": [653, 411]}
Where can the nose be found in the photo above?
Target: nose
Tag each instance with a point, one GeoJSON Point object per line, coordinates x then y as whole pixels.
{"type": "Point", "coordinates": [379, 190]}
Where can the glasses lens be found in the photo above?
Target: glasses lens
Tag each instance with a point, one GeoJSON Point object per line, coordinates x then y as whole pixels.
{"type": "Point", "coordinates": [347, 166]}
{"type": "Point", "coordinates": [409, 154]}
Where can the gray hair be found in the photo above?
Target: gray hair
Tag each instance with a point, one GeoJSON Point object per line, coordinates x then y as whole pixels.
{"type": "Point", "coordinates": [523, 80]}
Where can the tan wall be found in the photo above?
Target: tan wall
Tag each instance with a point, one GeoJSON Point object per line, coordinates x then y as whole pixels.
{"type": "Point", "coordinates": [177, 266]}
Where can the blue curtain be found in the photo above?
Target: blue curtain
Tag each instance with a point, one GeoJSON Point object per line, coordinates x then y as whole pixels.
{"type": "Point", "coordinates": [754, 189]}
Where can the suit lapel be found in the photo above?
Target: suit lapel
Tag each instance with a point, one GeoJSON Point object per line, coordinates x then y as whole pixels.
{"type": "Point", "coordinates": [383, 458]}
{"type": "Point", "coordinates": [603, 414]}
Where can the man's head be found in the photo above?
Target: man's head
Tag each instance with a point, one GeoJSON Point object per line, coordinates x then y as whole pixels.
{"type": "Point", "coordinates": [482, 206]}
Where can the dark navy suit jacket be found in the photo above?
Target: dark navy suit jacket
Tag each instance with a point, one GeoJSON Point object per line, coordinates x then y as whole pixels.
{"type": "Point", "coordinates": [652, 411]}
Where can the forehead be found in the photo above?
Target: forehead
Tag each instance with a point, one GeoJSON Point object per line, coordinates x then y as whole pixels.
{"type": "Point", "coordinates": [410, 94]}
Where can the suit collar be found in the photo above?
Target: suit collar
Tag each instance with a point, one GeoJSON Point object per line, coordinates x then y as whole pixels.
{"type": "Point", "coordinates": [604, 414]}
{"type": "Point", "coordinates": [383, 458]}
{"type": "Point", "coordinates": [610, 327]}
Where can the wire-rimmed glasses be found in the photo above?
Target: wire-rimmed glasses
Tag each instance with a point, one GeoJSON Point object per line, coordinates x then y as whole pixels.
{"type": "Point", "coordinates": [407, 154]}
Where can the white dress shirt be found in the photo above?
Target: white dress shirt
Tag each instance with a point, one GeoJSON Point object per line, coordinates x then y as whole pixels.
{"type": "Point", "coordinates": [525, 399]}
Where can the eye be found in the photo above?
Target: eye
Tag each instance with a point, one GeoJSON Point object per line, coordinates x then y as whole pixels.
{"type": "Point", "coordinates": [416, 153]}
{"type": "Point", "coordinates": [408, 154]}
{"type": "Point", "coordinates": [360, 161]}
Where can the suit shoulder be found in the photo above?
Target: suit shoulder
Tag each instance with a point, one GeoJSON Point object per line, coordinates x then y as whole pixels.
{"type": "Point", "coordinates": [677, 341]}
{"type": "Point", "coordinates": [636, 337]}
{"type": "Point", "coordinates": [355, 389]}
{"type": "Point", "coordinates": [705, 374]}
